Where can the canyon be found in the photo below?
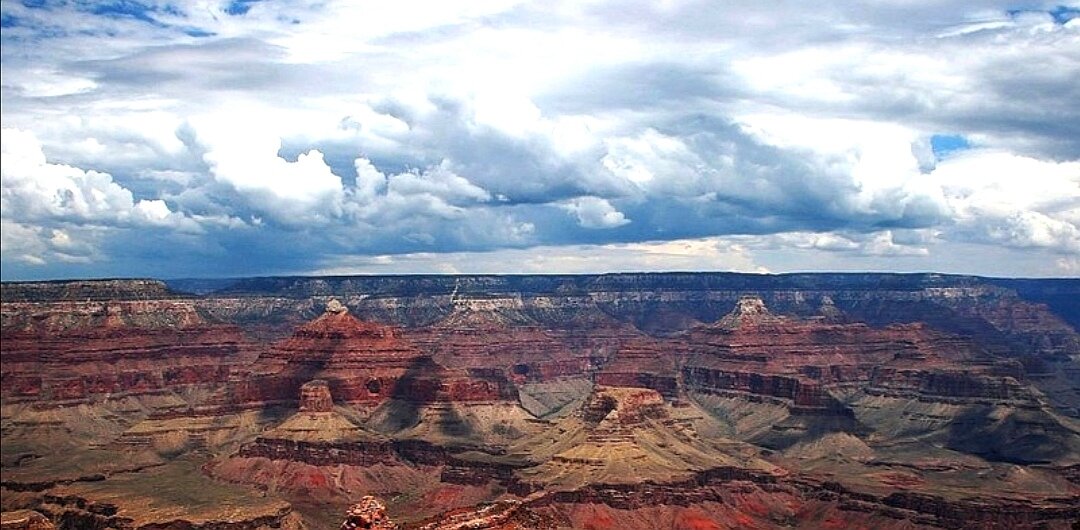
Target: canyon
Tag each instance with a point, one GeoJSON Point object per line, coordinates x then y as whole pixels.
{"type": "Point", "coordinates": [621, 401]}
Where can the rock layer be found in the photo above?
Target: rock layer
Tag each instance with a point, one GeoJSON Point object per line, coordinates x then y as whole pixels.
{"type": "Point", "coordinates": [631, 401]}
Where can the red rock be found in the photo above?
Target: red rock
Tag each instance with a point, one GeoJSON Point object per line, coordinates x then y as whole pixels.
{"type": "Point", "coordinates": [480, 347]}
{"type": "Point", "coordinates": [368, 513]}
{"type": "Point", "coordinates": [25, 520]}
{"type": "Point", "coordinates": [339, 340]}
{"type": "Point", "coordinates": [67, 352]}
{"type": "Point", "coordinates": [315, 397]}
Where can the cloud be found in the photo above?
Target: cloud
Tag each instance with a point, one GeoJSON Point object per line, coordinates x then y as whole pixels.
{"type": "Point", "coordinates": [998, 197]}
{"type": "Point", "coordinates": [60, 213]}
{"type": "Point", "coordinates": [158, 138]}
{"type": "Point", "coordinates": [876, 244]}
{"type": "Point", "coordinates": [243, 154]}
{"type": "Point", "coordinates": [594, 212]}
{"type": "Point", "coordinates": [435, 194]}
{"type": "Point", "coordinates": [711, 254]}
{"type": "Point", "coordinates": [37, 190]}
{"type": "Point", "coordinates": [39, 246]}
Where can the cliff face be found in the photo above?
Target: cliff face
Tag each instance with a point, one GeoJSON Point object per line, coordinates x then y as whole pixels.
{"type": "Point", "coordinates": [732, 400]}
{"type": "Point", "coordinates": [87, 290]}
{"type": "Point", "coordinates": [68, 352]}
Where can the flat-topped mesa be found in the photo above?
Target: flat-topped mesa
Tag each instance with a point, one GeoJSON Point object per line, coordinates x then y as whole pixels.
{"type": "Point", "coordinates": [623, 435]}
{"type": "Point", "coordinates": [61, 319]}
{"type": "Point", "coordinates": [613, 413]}
{"type": "Point", "coordinates": [85, 290]}
{"type": "Point", "coordinates": [315, 397]}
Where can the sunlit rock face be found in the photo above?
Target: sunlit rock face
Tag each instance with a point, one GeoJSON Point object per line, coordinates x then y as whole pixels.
{"type": "Point", "coordinates": [25, 520]}
{"type": "Point", "coordinates": [369, 512]}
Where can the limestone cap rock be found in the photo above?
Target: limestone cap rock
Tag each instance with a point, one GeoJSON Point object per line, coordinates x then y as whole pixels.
{"type": "Point", "coordinates": [750, 309]}
{"type": "Point", "coordinates": [336, 307]}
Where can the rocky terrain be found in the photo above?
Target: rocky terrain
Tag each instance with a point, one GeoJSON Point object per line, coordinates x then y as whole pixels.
{"type": "Point", "coordinates": [612, 401]}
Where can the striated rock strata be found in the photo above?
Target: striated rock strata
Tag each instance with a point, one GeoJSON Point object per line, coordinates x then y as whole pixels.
{"type": "Point", "coordinates": [610, 401]}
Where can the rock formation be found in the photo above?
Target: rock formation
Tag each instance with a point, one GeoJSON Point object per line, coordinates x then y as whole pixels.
{"type": "Point", "coordinates": [611, 401]}
{"type": "Point", "coordinates": [76, 352]}
{"type": "Point", "coordinates": [315, 397]}
{"type": "Point", "coordinates": [368, 513]}
{"type": "Point", "coordinates": [627, 435]}
{"type": "Point", "coordinates": [25, 520]}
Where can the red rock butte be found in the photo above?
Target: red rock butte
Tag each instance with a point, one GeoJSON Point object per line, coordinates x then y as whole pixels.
{"type": "Point", "coordinates": [315, 397]}
{"type": "Point", "coordinates": [338, 339]}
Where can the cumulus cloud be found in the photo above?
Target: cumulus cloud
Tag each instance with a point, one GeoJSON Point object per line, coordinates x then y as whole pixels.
{"type": "Point", "coordinates": [1014, 200]}
{"type": "Point", "coordinates": [40, 246]}
{"type": "Point", "coordinates": [594, 212]}
{"type": "Point", "coordinates": [36, 190]}
{"type": "Point", "coordinates": [474, 128]}
{"type": "Point", "coordinates": [55, 212]}
{"type": "Point", "coordinates": [883, 243]}
{"type": "Point", "coordinates": [241, 149]}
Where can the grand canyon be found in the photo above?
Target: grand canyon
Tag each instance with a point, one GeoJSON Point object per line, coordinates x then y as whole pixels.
{"type": "Point", "coordinates": [620, 401]}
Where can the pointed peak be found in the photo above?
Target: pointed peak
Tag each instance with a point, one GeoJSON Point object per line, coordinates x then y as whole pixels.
{"type": "Point", "coordinates": [829, 310]}
{"type": "Point", "coordinates": [337, 321]}
{"type": "Point", "coordinates": [750, 309]}
{"type": "Point", "coordinates": [335, 307]}
{"type": "Point", "coordinates": [751, 306]}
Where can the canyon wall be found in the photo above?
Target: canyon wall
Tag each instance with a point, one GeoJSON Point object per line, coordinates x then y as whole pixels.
{"type": "Point", "coordinates": [876, 399]}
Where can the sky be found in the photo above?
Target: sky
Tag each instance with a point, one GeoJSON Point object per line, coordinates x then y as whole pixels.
{"type": "Point", "coordinates": [237, 138]}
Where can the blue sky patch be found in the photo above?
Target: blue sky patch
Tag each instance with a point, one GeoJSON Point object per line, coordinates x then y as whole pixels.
{"type": "Point", "coordinates": [125, 9]}
{"type": "Point", "coordinates": [1061, 14]}
{"type": "Point", "coordinates": [945, 144]}
{"type": "Point", "coordinates": [196, 32]}
{"type": "Point", "coordinates": [239, 7]}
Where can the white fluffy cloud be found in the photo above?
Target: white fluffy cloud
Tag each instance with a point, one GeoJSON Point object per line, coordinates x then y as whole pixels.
{"type": "Point", "coordinates": [55, 212]}
{"type": "Point", "coordinates": [360, 129]}
{"type": "Point", "coordinates": [1013, 200]}
{"type": "Point", "coordinates": [594, 212]}
{"type": "Point", "coordinates": [34, 189]}
{"type": "Point", "coordinates": [243, 153]}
